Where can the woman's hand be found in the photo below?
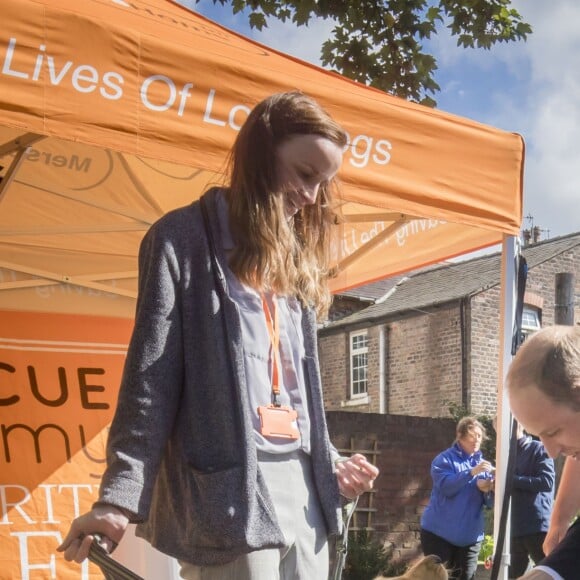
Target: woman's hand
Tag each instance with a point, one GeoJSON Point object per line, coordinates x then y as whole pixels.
{"type": "Point", "coordinates": [485, 485]}
{"type": "Point", "coordinates": [355, 475]}
{"type": "Point", "coordinates": [482, 467]}
{"type": "Point", "coordinates": [106, 520]}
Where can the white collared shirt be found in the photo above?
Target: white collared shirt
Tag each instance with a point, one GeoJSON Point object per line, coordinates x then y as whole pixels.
{"type": "Point", "coordinates": [257, 352]}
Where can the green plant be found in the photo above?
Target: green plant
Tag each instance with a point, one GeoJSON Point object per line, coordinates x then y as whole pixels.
{"type": "Point", "coordinates": [366, 558]}
{"type": "Point", "coordinates": [383, 43]}
{"type": "Point", "coordinates": [486, 548]}
{"type": "Point", "coordinates": [488, 522]}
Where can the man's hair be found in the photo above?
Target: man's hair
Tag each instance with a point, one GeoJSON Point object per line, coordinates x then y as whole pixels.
{"type": "Point", "coordinates": [550, 361]}
{"type": "Point", "coordinates": [466, 425]}
{"type": "Point", "coordinates": [271, 252]}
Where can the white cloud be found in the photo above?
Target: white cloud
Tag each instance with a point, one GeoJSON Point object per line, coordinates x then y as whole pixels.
{"type": "Point", "coordinates": [550, 121]}
{"type": "Point", "coordinates": [536, 93]}
{"type": "Point", "coordinates": [532, 88]}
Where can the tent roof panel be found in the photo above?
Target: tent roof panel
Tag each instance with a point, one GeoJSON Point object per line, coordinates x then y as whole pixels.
{"type": "Point", "coordinates": [141, 101]}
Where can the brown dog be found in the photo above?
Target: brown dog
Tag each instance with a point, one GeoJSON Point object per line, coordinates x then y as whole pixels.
{"type": "Point", "coordinates": [427, 568]}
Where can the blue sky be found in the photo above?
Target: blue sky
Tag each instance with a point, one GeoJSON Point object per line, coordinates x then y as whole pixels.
{"type": "Point", "coordinates": [532, 88]}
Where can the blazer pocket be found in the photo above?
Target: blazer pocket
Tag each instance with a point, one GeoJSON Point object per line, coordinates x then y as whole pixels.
{"type": "Point", "coordinates": [219, 509]}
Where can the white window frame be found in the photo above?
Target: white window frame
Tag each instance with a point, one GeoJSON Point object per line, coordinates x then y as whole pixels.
{"type": "Point", "coordinates": [531, 320]}
{"type": "Point", "coordinates": [359, 363]}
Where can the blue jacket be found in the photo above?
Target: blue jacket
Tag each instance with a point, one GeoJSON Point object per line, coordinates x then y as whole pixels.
{"type": "Point", "coordinates": [533, 489]}
{"type": "Point", "coordinates": [455, 509]}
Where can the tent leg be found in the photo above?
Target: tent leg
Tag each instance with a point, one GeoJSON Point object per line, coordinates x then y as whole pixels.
{"type": "Point", "coordinates": [508, 298]}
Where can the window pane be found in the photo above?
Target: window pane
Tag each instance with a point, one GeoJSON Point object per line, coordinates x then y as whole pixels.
{"type": "Point", "coordinates": [358, 364]}
{"type": "Point", "coordinates": [530, 318]}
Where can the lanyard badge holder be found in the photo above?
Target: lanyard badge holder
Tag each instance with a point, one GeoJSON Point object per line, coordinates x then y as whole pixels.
{"type": "Point", "coordinates": [276, 420]}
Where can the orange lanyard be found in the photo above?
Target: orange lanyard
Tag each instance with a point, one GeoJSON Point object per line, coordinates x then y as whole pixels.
{"type": "Point", "coordinates": [273, 326]}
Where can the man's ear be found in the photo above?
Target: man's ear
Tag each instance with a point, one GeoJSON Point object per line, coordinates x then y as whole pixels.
{"type": "Point", "coordinates": [576, 395]}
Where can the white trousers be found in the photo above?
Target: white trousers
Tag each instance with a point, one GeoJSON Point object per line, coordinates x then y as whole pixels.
{"type": "Point", "coordinates": [305, 555]}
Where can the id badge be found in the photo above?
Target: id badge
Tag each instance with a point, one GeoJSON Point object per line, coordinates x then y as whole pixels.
{"type": "Point", "coordinates": [278, 422]}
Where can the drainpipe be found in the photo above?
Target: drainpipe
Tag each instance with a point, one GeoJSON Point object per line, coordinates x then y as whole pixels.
{"type": "Point", "coordinates": [382, 370]}
{"type": "Point", "coordinates": [463, 317]}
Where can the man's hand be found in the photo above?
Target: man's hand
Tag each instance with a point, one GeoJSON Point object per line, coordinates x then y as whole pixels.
{"type": "Point", "coordinates": [106, 520]}
{"type": "Point", "coordinates": [355, 475]}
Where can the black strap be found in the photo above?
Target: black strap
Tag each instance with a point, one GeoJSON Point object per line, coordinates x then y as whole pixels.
{"type": "Point", "coordinates": [510, 469]}
{"type": "Point", "coordinates": [111, 569]}
{"type": "Point", "coordinates": [217, 271]}
{"type": "Point", "coordinates": [517, 336]}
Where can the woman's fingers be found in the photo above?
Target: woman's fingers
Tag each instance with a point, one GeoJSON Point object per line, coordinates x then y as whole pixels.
{"type": "Point", "coordinates": [355, 475]}
{"type": "Point", "coordinates": [107, 521]}
{"type": "Point", "coordinates": [78, 549]}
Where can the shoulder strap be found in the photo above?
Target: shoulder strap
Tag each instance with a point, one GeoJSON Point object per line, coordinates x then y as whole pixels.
{"type": "Point", "coordinates": [216, 269]}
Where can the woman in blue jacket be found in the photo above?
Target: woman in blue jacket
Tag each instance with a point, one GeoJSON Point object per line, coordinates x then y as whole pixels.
{"type": "Point", "coordinates": [452, 526]}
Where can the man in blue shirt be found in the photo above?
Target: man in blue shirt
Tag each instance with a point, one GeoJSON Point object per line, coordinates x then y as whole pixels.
{"type": "Point", "coordinates": [532, 501]}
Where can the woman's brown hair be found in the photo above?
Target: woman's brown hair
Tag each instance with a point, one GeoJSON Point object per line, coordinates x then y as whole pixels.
{"type": "Point", "coordinates": [290, 257]}
{"type": "Point", "coordinates": [466, 426]}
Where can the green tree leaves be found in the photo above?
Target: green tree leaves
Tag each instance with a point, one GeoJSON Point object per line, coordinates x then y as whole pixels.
{"type": "Point", "coordinates": [379, 42]}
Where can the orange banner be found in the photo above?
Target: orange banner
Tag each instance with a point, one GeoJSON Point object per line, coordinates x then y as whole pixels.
{"type": "Point", "coordinates": [59, 379]}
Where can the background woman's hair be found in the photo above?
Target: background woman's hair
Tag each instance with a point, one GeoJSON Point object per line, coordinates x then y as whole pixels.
{"type": "Point", "coordinates": [290, 257]}
{"type": "Point", "coordinates": [467, 424]}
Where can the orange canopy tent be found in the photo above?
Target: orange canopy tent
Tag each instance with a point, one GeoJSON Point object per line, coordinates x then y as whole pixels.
{"type": "Point", "coordinates": [113, 112]}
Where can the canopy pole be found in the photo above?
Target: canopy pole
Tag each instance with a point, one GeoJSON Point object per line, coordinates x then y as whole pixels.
{"type": "Point", "coordinates": [69, 279]}
{"type": "Point", "coordinates": [508, 301]}
{"type": "Point", "coordinates": [378, 239]}
{"type": "Point", "coordinates": [21, 146]}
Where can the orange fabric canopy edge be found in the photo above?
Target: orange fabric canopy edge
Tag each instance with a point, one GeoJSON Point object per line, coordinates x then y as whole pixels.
{"type": "Point", "coordinates": [129, 108]}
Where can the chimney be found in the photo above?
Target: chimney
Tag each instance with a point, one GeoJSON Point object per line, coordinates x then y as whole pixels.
{"type": "Point", "coordinates": [527, 235]}
{"type": "Point", "coordinates": [536, 232]}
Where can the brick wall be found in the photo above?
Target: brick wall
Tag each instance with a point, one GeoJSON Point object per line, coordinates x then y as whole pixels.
{"type": "Point", "coordinates": [422, 363]}
{"type": "Point", "coordinates": [334, 368]}
{"type": "Point", "coordinates": [334, 351]}
{"type": "Point", "coordinates": [542, 281]}
{"type": "Point", "coordinates": [485, 331]}
{"type": "Point", "coordinates": [421, 366]}
{"type": "Point", "coordinates": [484, 352]}
{"type": "Point", "coordinates": [405, 448]}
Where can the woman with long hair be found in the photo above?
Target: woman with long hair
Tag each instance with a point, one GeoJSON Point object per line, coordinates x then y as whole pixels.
{"type": "Point", "coordinates": [219, 449]}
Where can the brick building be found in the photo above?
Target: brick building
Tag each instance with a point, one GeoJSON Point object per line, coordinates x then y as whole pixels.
{"type": "Point", "coordinates": [412, 345]}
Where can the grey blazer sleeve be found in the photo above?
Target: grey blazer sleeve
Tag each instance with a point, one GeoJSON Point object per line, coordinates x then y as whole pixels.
{"type": "Point", "coordinates": [151, 383]}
